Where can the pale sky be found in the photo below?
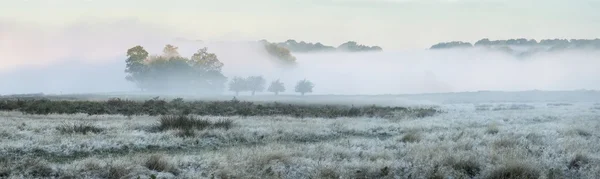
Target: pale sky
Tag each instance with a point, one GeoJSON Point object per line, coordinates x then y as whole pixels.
{"type": "Point", "coordinates": [40, 34]}
{"type": "Point", "coordinates": [392, 24]}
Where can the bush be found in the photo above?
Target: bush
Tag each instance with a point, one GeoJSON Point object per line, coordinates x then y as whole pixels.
{"type": "Point", "coordinates": [514, 171]}
{"type": "Point", "coordinates": [82, 128]}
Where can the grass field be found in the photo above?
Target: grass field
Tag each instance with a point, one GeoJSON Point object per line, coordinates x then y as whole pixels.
{"type": "Point", "coordinates": [488, 141]}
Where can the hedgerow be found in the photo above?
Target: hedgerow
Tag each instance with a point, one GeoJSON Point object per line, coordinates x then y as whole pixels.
{"type": "Point", "coordinates": [156, 106]}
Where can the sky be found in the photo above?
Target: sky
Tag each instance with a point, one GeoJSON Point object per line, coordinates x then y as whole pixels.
{"type": "Point", "coordinates": [78, 41]}
{"type": "Point", "coordinates": [392, 24]}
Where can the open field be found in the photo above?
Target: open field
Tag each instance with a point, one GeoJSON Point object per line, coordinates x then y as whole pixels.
{"type": "Point", "coordinates": [484, 140]}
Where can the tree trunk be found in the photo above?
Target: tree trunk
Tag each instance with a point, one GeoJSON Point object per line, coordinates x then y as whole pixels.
{"type": "Point", "coordinates": [276, 93]}
{"type": "Point", "coordinates": [237, 93]}
{"type": "Point", "coordinates": [302, 93]}
{"type": "Point", "coordinates": [253, 93]}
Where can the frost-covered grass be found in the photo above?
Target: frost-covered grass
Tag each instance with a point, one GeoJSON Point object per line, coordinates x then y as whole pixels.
{"type": "Point", "coordinates": [538, 140]}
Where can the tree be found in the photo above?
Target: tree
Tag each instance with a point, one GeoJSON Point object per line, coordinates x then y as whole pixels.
{"type": "Point", "coordinates": [352, 46]}
{"type": "Point", "coordinates": [206, 61]}
{"type": "Point", "coordinates": [134, 65]}
{"type": "Point", "coordinates": [170, 51]}
{"type": "Point", "coordinates": [237, 84]}
{"type": "Point", "coordinates": [276, 87]}
{"type": "Point", "coordinates": [304, 86]}
{"type": "Point", "coordinates": [174, 73]}
{"type": "Point", "coordinates": [255, 83]}
{"type": "Point", "coordinates": [453, 44]}
{"type": "Point", "coordinates": [281, 53]}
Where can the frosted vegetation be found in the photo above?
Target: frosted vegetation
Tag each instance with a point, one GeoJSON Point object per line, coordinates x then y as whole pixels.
{"type": "Point", "coordinates": [486, 140]}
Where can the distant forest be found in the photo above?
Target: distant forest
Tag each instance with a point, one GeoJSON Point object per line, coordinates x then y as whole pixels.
{"type": "Point", "coordinates": [531, 45]}
{"type": "Point", "coordinates": [305, 47]}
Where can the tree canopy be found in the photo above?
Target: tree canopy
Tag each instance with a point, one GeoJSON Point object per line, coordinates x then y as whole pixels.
{"type": "Point", "coordinates": [170, 72]}
{"type": "Point", "coordinates": [281, 53]}
{"type": "Point", "coordinates": [547, 43]}
{"type": "Point", "coordinates": [276, 87]}
{"type": "Point", "coordinates": [302, 46]}
{"type": "Point", "coordinates": [237, 85]}
{"type": "Point", "coordinates": [352, 46]}
{"type": "Point", "coordinates": [454, 44]}
{"type": "Point", "coordinates": [255, 84]}
{"type": "Point", "coordinates": [252, 84]}
{"type": "Point", "coordinates": [305, 47]}
{"type": "Point", "coordinates": [524, 47]}
{"type": "Point", "coordinates": [304, 86]}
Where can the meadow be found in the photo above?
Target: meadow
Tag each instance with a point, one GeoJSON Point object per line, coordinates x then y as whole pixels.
{"type": "Point", "coordinates": [494, 140]}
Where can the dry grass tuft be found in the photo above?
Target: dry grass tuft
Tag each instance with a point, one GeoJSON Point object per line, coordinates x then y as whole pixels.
{"type": "Point", "coordinates": [185, 133]}
{"type": "Point", "coordinates": [328, 173]}
{"type": "Point", "coordinates": [411, 137]}
{"type": "Point", "coordinates": [492, 129]}
{"type": "Point", "coordinates": [118, 171]}
{"type": "Point", "coordinates": [555, 174]}
{"type": "Point", "coordinates": [81, 128]}
{"type": "Point", "coordinates": [36, 168]}
{"type": "Point", "coordinates": [224, 124]}
{"type": "Point", "coordinates": [187, 122]}
{"type": "Point", "coordinates": [468, 166]}
{"type": "Point", "coordinates": [514, 171]}
{"type": "Point", "coordinates": [505, 143]}
{"type": "Point", "coordinates": [583, 133]}
{"type": "Point", "coordinates": [578, 161]}
{"type": "Point", "coordinates": [182, 122]}
{"type": "Point", "coordinates": [158, 163]}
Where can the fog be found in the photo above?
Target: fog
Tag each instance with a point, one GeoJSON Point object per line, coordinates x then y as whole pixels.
{"type": "Point", "coordinates": [88, 58]}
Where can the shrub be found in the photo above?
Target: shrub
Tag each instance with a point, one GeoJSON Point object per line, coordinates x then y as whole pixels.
{"type": "Point", "coordinates": [81, 128]}
{"type": "Point", "coordinates": [514, 171]}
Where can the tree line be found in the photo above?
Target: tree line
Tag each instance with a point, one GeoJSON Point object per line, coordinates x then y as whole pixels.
{"type": "Point", "coordinates": [200, 73]}
{"type": "Point", "coordinates": [304, 47]}
{"type": "Point", "coordinates": [255, 84]}
{"type": "Point", "coordinates": [553, 44]}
